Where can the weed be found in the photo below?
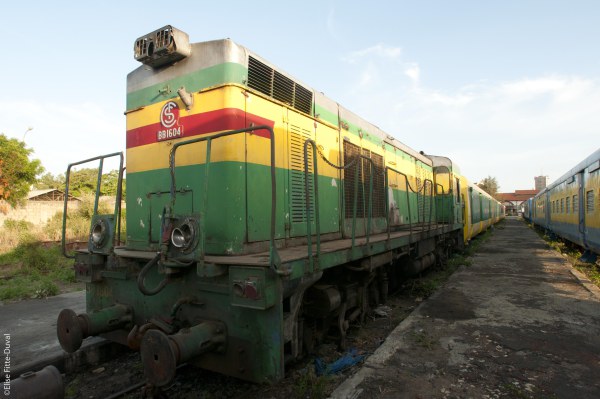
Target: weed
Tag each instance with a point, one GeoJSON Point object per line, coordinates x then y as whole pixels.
{"type": "Point", "coordinates": [457, 260]}
{"type": "Point", "coordinates": [591, 270]}
{"type": "Point", "coordinates": [424, 288]}
{"type": "Point", "coordinates": [423, 339]}
{"type": "Point", "coordinates": [309, 385]}
{"type": "Point", "coordinates": [573, 253]}
{"type": "Point", "coordinates": [33, 270]}
{"type": "Point", "coordinates": [72, 388]}
{"type": "Point", "coordinates": [45, 288]}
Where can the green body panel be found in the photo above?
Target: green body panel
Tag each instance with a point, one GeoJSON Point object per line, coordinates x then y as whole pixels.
{"type": "Point", "coordinates": [326, 115]}
{"type": "Point", "coordinates": [239, 204]}
{"type": "Point", "coordinates": [225, 220]}
{"type": "Point", "coordinates": [444, 206]}
{"type": "Point", "coordinates": [228, 72]}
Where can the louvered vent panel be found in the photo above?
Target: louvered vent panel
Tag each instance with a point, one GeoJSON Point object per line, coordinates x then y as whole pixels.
{"type": "Point", "coordinates": [420, 204]}
{"type": "Point", "coordinates": [378, 187]}
{"type": "Point", "coordinates": [283, 89]}
{"type": "Point", "coordinates": [303, 99]}
{"type": "Point", "coordinates": [278, 86]}
{"type": "Point", "coordinates": [351, 152]}
{"type": "Point", "coordinates": [260, 77]}
{"type": "Point", "coordinates": [297, 182]}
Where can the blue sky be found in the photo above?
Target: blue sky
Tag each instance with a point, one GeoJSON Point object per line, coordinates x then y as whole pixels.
{"type": "Point", "coordinates": [509, 89]}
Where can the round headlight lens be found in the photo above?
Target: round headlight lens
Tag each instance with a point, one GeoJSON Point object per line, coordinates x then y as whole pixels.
{"type": "Point", "coordinates": [98, 233]}
{"type": "Point", "coordinates": [182, 236]}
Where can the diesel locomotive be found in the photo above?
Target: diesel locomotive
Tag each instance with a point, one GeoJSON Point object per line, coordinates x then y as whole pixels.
{"type": "Point", "coordinates": [569, 207]}
{"type": "Point", "coordinates": [262, 216]}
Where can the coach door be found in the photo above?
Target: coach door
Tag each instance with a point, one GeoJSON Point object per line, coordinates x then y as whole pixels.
{"type": "Point", "coordinates": [579, 204]}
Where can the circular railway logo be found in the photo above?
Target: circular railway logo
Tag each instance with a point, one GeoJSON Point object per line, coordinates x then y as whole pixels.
{"type": "Point", "coordinates": [169, 114]}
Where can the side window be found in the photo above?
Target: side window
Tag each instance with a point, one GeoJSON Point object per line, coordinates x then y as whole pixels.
{"type": "Point", "coordinates": [575, 204]}
{"type": "Point", "coordinates": [589, 201]}
{"type": "Point", "coordinates": [568, 205]}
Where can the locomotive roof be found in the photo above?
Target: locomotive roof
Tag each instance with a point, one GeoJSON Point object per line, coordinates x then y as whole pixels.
{"type": "Point", "coordinates": [216, 52]}
{"type": "Point", "coordinates": [322, 100]}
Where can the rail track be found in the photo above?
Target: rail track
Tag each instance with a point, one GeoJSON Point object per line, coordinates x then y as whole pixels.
{"type": "Point", "coordinates": [123, 376]}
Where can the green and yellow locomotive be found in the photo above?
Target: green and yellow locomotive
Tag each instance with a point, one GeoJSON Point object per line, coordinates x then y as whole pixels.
{"type": "Point", "coordinates": [261, 216]}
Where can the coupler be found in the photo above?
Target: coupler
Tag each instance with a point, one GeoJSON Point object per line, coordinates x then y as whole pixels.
{"type": "Point", "coordinates": [162, 353]}
{"type": "Point", "coordinates": [71, 328]}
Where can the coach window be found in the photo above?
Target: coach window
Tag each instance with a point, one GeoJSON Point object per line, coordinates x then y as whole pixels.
{"type": "Point", "coordinates": [589, 200]}
{"type": "Point", "coordinates": [568, 204]}
{"type": "Point", "coordinates": [575, 204]}
{"type": "Point", "coordinates": [562, 205]}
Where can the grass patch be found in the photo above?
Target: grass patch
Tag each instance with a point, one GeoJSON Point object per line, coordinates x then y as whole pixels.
{"type": "Point", "coordinates": [31, 260]}
{"type": "Point", "coordinates": [309, 385]}
{"type": "Point", "coordinates": [432, 279]}
{"type": "Point", "coordinates": [34, 270]}
{"type": "Point", "coordinates": [573, 253]}
{"type": "Point", "coordinates": [423, 339]}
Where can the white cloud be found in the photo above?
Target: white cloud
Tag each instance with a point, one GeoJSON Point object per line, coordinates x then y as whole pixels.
{"type": "Point", "coordinates": [413, 72]}
{"type": "Point", "coordinates": [512, 130]}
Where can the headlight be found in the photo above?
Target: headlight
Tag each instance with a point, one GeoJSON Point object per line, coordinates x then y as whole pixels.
{"type": "Point", "coordinates": [98, 233]}
{"type": "Point", "coordinates": [184, 235]}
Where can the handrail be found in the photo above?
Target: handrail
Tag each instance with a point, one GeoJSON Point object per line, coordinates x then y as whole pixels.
{"type": "Point", "coordinates": [117, 211]}
{"type": "Point", "coordinates": [430, 201]}
{"type": "Point", "coordinates": [316, 194]}
{"type": "Point", "coordinates": [443, 205]}
{"type": "Point", "coordinates": [387, 201]}
{"type": "Point", "coordinates": [274, 260]}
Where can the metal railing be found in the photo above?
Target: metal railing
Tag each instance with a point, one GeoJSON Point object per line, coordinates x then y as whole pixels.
{"type": "Point", "coordinates": [117, 210]}
{"type": "Point", "coordinates": [315, 150]}
{"type": "Point", "coordinates": [274, 260]}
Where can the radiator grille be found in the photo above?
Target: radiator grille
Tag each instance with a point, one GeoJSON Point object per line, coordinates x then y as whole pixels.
{"type": "Point", "coordinates": [297, 181]}
{"type": "Point", "coordinates": [274, 84]}
{"type": "Point", "coordinates": [352, 151]}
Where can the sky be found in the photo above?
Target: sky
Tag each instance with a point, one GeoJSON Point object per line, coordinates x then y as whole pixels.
{"type": "Point", "coordinates": [507, 89]}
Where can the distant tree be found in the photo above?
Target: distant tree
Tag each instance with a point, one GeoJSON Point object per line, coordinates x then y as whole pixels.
{"type": "Point", "coordinates": [84, 181]}
{"type": "Point", "coordinates": [489, 185]}
{"type": "Point", "coordinates": [17, 171]}
{"type": "Point", "coordinates": [48, 180]}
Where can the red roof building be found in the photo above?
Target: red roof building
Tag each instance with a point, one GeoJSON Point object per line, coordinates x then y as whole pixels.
{"type": "Point", "coordinates": [513, 201]}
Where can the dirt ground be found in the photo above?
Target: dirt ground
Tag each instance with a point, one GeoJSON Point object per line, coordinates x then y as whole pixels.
{"type": "Point", "coordinates": [515, 324]}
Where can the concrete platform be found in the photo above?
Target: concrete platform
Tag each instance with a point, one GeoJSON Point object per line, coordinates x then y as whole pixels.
{"type": "Point", "coordinates": [31, 325]}
{"type": "Point", "coordinates": [519, 322]}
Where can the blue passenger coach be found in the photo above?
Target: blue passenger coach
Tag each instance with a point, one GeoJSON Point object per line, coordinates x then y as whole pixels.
{"type": "Point", "coordinates": [569, 206]}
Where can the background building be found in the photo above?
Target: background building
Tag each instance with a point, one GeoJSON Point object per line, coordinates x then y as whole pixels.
{"type": "Point", "coordinates": [540, 182]}
{"type": "Point", "coordinates": [513, 201]}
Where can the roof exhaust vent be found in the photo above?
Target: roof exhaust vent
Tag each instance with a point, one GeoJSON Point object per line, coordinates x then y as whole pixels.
{"type": "Point", "coordinates": [164, 46]}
